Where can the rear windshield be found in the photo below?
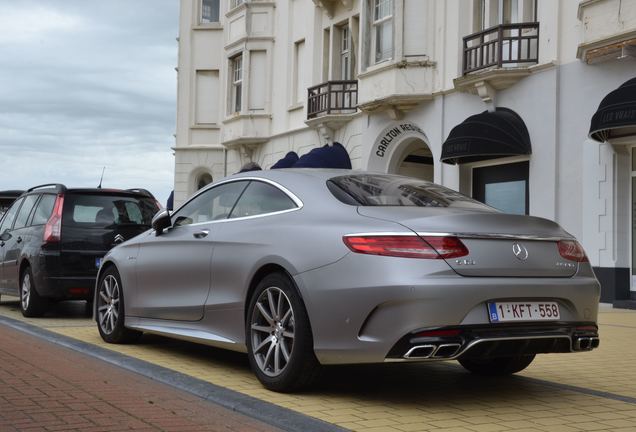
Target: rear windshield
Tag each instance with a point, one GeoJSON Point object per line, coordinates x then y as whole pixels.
{"type": "Point", "coordinates": [390, 190]}
{"type": "Point", "coordinates": [101, 211]}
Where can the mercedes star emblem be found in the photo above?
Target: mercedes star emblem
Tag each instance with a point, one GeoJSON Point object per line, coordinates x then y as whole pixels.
{"type": "Point", "coordinates": [520, 251]}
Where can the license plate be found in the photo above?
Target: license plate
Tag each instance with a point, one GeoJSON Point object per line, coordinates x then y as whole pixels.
{"type": "Point", "coordinates": [98, 262]}
{"type": "Point", "coordinates": [523, 311]}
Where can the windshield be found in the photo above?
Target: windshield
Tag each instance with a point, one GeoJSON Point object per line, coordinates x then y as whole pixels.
{"type": "Point", "coordinates": [101, 211]}
{"type": "Point", "coordinates": [392, 190]}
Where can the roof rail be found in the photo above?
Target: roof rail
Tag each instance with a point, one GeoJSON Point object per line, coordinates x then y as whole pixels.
{"type": "Point", "coordinates": [58, 187]}
{"type": "Point", "coordinates": [140, 190]}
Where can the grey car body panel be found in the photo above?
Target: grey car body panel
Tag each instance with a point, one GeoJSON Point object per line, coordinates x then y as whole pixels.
{"type": "Point", "coordinates": [358, 305]}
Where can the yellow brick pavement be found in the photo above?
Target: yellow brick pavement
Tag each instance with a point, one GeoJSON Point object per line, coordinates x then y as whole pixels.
{"type": "Point", "coordinates": [419, 397]}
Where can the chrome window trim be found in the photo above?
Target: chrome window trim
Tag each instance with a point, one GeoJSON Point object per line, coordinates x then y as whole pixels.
{"type": "Point", "coordinates": [464, 235]}
{"type": "Point", "coordinates": [297, 201]}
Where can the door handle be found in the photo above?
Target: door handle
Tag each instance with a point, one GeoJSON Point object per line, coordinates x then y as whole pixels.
{"type": "Point", "coordinates": [19, 240]}
{"type": "Point", "coordinates": [201, 234]}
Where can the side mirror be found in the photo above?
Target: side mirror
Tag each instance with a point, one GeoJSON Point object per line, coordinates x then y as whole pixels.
{"type": "Point", "coordinates": [5, 236]}
{"type": "Point", "coordinates": [161, 221]}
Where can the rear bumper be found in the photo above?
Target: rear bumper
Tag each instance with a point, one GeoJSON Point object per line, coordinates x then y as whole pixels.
{"type": "Point", "coordinates": [67, 288]}
{"type": "Point", "coordinates": [361, 307]}
{"type": "Point", "coordinates": [53, 282]}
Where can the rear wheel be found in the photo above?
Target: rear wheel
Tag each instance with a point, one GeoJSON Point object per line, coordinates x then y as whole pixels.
{"type": "Point", "coordinates": [498, 366]}
{"type": "Point", "coordinates": [110, 309]}
{"type": "Point", "coordinates": [31, 304]}
{"type": "Point", "coordinates": [278, 335]}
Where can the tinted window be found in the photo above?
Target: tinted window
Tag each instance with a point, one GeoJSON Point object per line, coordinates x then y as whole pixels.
{"type": "Point", "coordinates": [9, 216]}
{"type": "Point", "coordinates": [390, 190]}
{"type": "Point", "coordinates": [25, 211]}
{"type": "Point", "coordinates": [261, 198]}
{"type": "Point", "coordinates": [100, 210]}
{"type": "Point", "coordinates": [213, 204]}
{"type": "Point", "coordinates": [43, 210]}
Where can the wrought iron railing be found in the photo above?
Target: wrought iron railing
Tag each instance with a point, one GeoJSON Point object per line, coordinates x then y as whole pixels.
{"type": "Point", "coordinates": [332, 97]}
{"type": "Point", "coordinates": [502, 45]}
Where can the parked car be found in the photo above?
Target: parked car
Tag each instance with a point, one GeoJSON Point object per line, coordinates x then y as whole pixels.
{"type": "Point", "coordinates": [304, 267]}
{"type": "Point", "coordinates": [6, 199]}
{"type": "Point", "coordinates": [53, 238]}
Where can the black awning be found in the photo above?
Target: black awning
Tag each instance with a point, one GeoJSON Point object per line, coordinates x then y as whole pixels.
{"type": "Point", "coordinates": [616, 115]}
{"type": "Point", "coordinates": [488, 135]}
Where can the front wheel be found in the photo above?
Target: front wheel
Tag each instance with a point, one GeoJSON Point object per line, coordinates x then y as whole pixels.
{"type": "Point", "coordinates": [278, 335]}
{"type": "Point", "coordinates": [110, 310]}
{"type": "Point", "coordinates": [498, 366]}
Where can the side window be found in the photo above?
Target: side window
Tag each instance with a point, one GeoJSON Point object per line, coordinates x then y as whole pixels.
{"type": "Point", "coordinates": [43, 210]}
{"type": "Point", "coordinates": [25, 211]}
{"type": "Point", "coordinates": [10, 216]}
{"type": "Point", "coordinates": [213, 204]}
{"type": "Point", "coordinates": [261, 198]}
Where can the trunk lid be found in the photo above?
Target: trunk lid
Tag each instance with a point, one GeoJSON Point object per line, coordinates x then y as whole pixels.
{"type": "Point", "coordinates": [499, 245]}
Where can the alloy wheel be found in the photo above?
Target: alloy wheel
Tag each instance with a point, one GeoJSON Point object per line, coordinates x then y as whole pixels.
{"type": "Point", "coordinates": [272, 331]}
{"type": "Point", "coordinates": [108, 304]}
{"type": "Point", "coordinates": [25, 291]}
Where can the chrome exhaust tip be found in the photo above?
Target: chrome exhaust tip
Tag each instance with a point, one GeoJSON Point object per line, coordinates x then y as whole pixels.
{"type": "Point", "coordinates": [447, 350]}
{"type": "Point", "coordinates": [420, 352]}
{"type": "Point", "coordinates": [585, 343]}
{"type": "Point", "coordinates": [594, 342]}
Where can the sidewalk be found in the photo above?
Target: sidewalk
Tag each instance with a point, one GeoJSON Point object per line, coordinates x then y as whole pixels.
{"type": "Point", "coordinates": [45, 387]}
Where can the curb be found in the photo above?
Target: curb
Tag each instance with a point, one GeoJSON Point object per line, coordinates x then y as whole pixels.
{"type": "Point", "coordinates": [271, 414]}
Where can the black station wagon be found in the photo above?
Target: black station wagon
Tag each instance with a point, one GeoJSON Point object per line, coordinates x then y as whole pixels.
{"type": "Point", "coordinates": [52, 240]}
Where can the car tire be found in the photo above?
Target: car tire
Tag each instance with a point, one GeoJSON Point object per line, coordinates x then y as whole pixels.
{"type": "Point", "coordinates": [110, 311]}
{"type": "Point", "coordinates": [278, 336]}
{"type": "Point", "coordinates": [498, 366]}
{"type": "Point", "coordinates": [31, 304]}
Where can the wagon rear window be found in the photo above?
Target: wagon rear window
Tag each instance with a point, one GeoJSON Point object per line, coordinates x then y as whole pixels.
{"type": "Point", "coordinates": [391, 190]}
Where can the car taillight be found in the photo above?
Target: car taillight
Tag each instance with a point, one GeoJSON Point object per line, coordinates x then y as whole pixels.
{"type": "Point", "coordinates": [572, 250]}
{"type": "Point", "coordinates": [53, 227]}
{"type": "Point", "coordinates": [407, 246]}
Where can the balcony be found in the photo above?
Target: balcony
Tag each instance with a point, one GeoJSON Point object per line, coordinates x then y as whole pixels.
{"type": "Point", "coordinates": [496, 58]}
{"type": "Point", "coordinates": [331, 98]}
{"type": "Point", "coordinates": [609, 30]}
{"type": "Point", "coordinates": [330, 105]}
{"type": "Point", "coordinates": [501, 46]}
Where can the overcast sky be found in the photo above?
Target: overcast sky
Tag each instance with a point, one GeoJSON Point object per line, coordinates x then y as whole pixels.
{"type": "Point", "coordinates": [86, 84]}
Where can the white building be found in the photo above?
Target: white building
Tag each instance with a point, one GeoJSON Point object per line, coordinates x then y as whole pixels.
{"type": "Point", "coordinates": [394, 81]}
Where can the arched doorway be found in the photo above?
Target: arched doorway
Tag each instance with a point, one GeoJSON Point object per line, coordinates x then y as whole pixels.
{"type": "Point", "coordinates": [402, 148]}
{"type": "Point", "coordinates": [203, 180]}
{"type": "Point", "coordinates": [414, 160]}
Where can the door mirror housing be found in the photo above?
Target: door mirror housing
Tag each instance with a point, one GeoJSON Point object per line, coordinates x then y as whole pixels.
{"type": "Point", "coordinates": [5, 236]}
{"type": "Point", "coordinates": [161, 221]}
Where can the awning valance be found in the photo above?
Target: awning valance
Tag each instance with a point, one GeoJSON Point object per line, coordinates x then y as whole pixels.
{"type": "Point", "coordinates": [616, 114]}
{"type": "Point", "coordinates": [488, 135]}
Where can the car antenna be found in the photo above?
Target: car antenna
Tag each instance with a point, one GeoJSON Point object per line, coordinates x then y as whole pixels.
{"type": "Point", "coordinates": [101, 178]}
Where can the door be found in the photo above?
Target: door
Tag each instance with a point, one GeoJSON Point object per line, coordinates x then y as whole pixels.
{"type": "Point", "coordinates": [5, 231]}
{"type": "Point", "coordinates": [174, 268]}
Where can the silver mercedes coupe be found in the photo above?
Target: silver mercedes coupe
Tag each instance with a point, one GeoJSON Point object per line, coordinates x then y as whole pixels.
{"type": "Point", "coordinates": [307, 267]}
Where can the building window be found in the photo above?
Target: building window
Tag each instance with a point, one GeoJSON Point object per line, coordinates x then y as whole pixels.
{"type": "Point", "coordinates": [489, 13]}
{"type": "Point", "coordinates": [345, 53]}
{"type": "Point", "coordinates": [236, 3]}
{"type": "Point", "coordinates": [300, 72]}
{"type": "Point", "coordinates": [209, 11]}
{"type": "Point", "coordinates": [237, 83]}
{"type": "Point", "coordinates": [382, 30]}
{"type": "Point", "coordinates": [504, 187]}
